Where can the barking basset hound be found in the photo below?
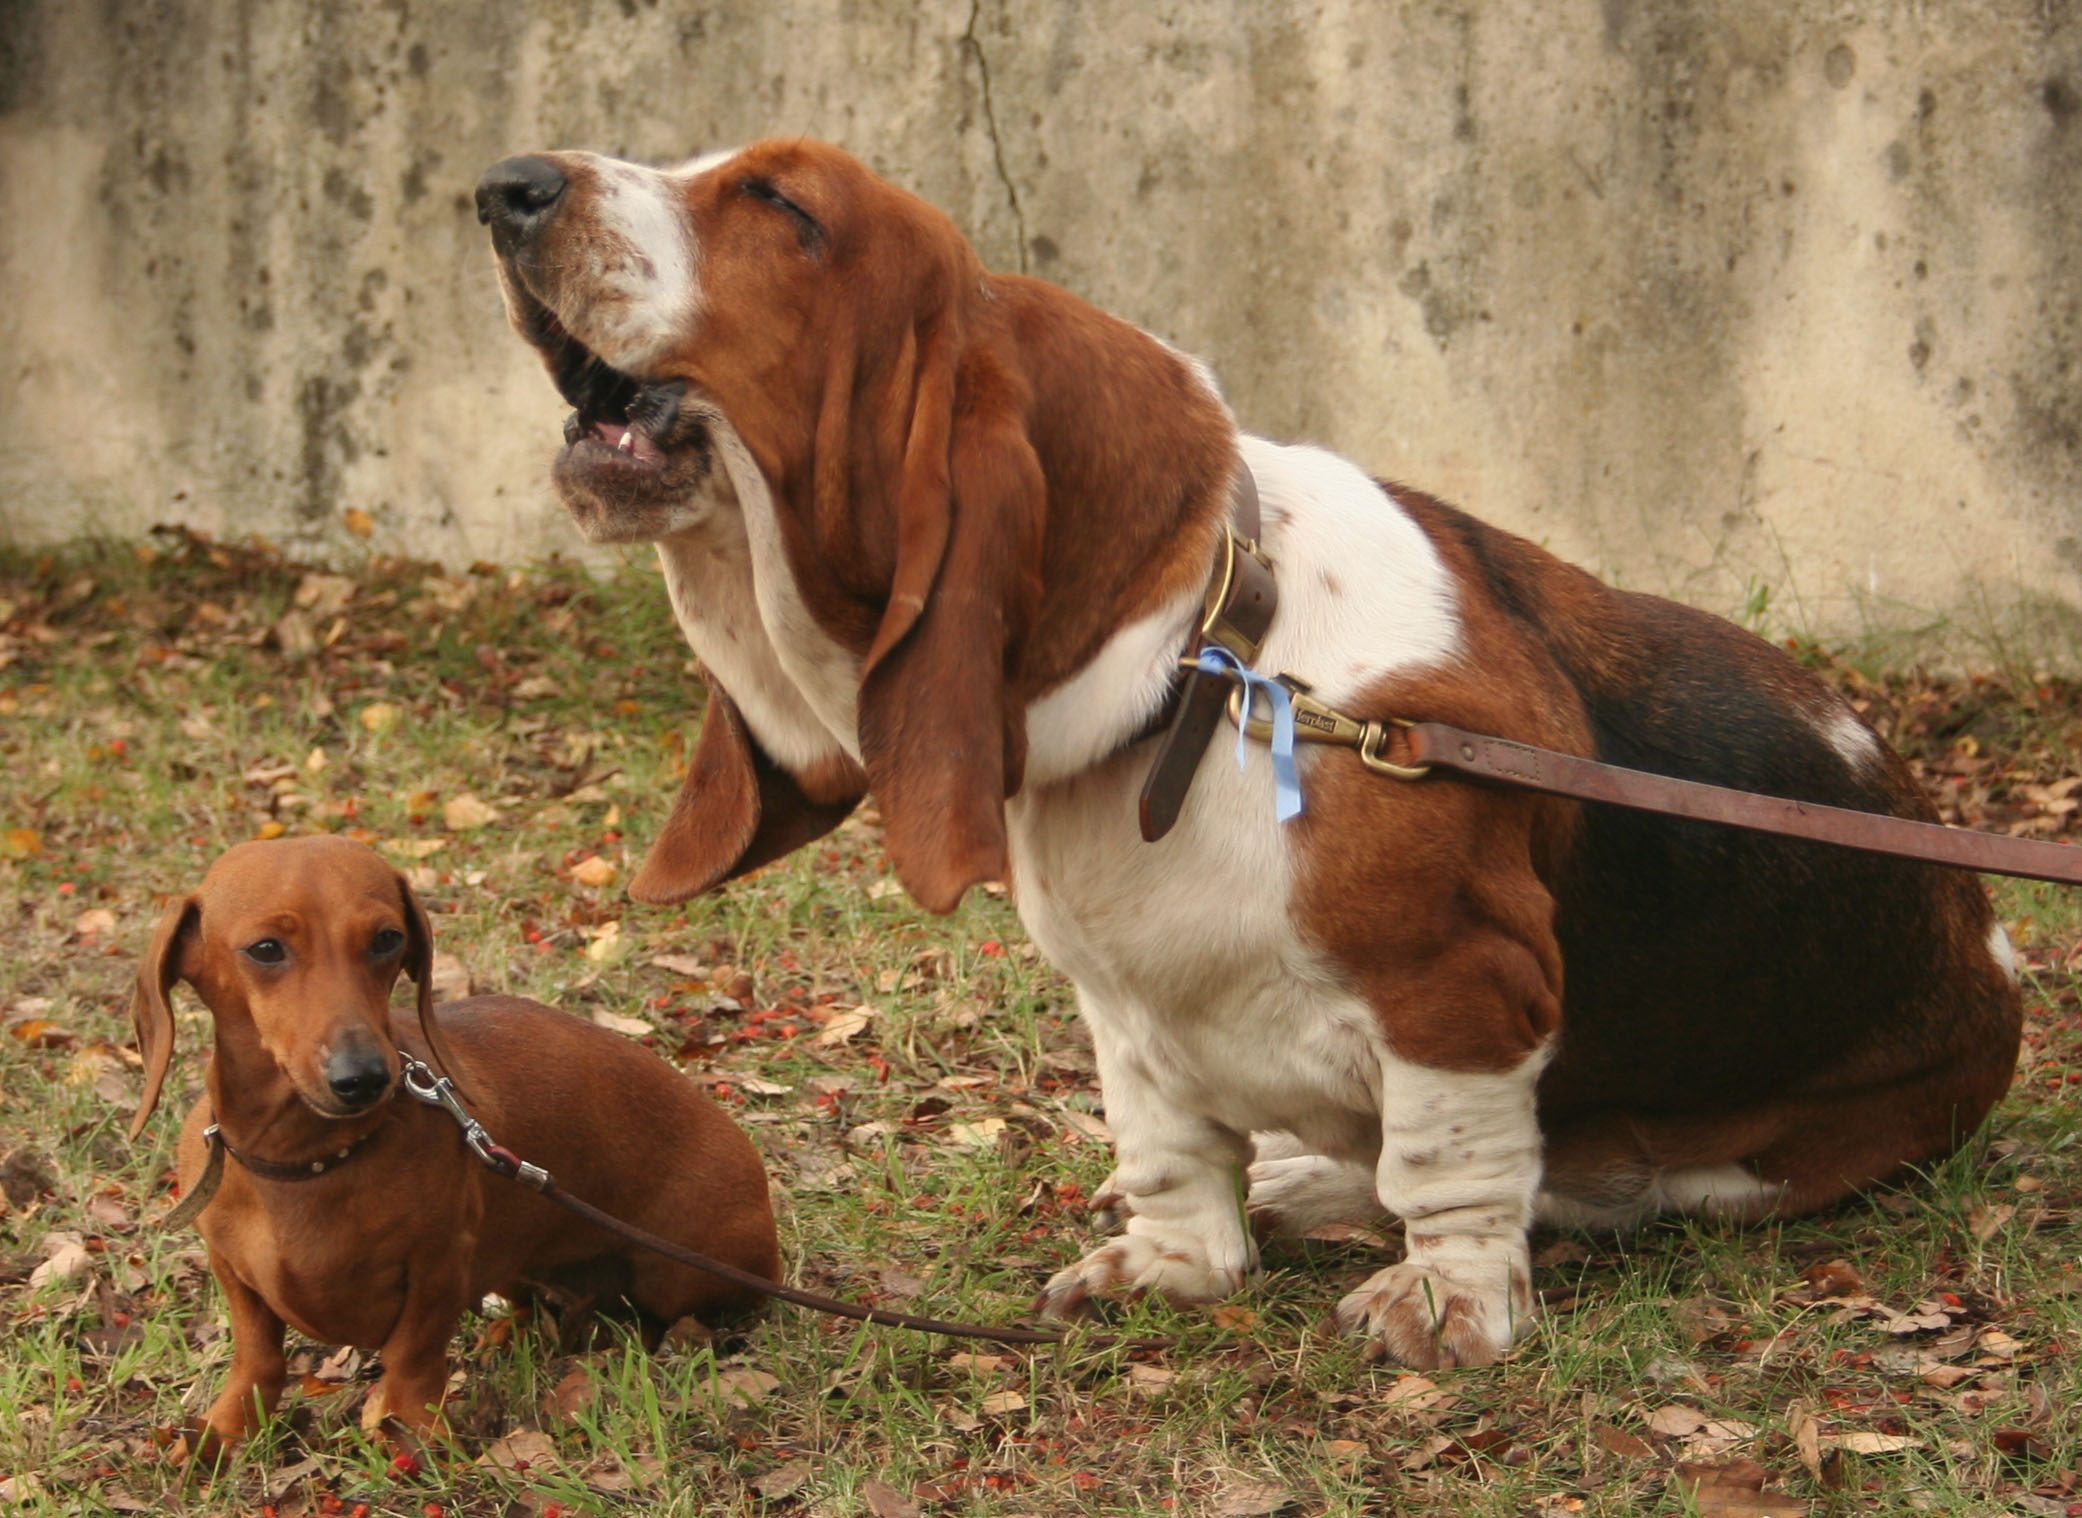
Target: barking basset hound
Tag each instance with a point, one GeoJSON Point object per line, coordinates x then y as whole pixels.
{"type": "Point", "coordinates": [943, 535]}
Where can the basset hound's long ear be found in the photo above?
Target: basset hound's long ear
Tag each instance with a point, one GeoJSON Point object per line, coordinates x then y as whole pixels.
{"type": "Point", "coordinates": [942, 742]}
{"type": "Point", "coordinates": [151, 1014]}
{"type": "Point", "coordinates": [737, 810]}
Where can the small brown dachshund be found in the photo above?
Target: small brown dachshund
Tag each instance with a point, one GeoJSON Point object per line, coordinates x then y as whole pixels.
{"type": "Point", "coordinates": [359, 1216]}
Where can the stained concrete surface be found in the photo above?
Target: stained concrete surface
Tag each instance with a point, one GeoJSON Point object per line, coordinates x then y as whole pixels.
{"type": "Point", "coordinates": [1721, 300]}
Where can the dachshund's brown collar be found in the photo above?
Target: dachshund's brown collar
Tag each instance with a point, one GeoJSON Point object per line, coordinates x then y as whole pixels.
{"type": "Point", "coordinates": [212, 1176]}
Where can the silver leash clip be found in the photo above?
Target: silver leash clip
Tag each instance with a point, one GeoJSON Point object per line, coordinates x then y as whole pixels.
{"type": "Point", "coordinates": [424, 1085]}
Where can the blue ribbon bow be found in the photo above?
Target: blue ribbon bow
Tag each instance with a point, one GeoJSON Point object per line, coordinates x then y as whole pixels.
{"type": "Point", "coordinates": [1286, 779]}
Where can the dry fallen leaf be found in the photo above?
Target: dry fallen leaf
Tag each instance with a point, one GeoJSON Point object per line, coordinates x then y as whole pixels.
{"type": "Point", "coordinates": [593, 871]}
{"type": "Point", "coordinates": [1088, 1125]}
{"type": "Point", "coordinates": [468, 811]}
{"type": "Point", "coordinates": [1676, 1421]}
{"type": "Point", "coordinates": [282, 1482]}
{"type": "Point", "coordinates": [1986, 1222]}
{"type": "Point", "coordinates": [1252, 1499]}
{"type": "Point", "coordinates": [1994, 1341]}
{"type": "Point", "coordinates": [380, 716]}
{"type": "Point", "coordinates": [358, 522]}
{"type": "Point", "coordinates": [842, 1027]}
{"type": "Point", "coordinates": [570, 1396]}
{"type": "Point", "coordinates": [448, 978]}
{"type": "Point", "coordinates": [96, 920]}
{"type": "Point", "coordinates": [295, 635]}
{"type": "Point", "coordinates": [324, 595]}
{"type": "Point", "coordinates": [1866, 1442]}
{"type": "Point", "coordinates": [885, 1501]}
{"type": "Point", "coordinates": [782, 1480]}
{"type": "Point", "coordinates": [1807, 1439]}
{"type": "Point", "coordinates": [681, 964]}
{"type": "Point", "coordinates": [745, 1387]}
{"type": "Point", "coordinates": [527, 1449]}
{"type": "Point", "coordinates": [997, 1404]}
{"type": "Point", "coordinates": [1426, 1453]}
{"type": "Point", "coordinates": [1413, 1392]}
{"type": "Point", "coordinates": [1620, 1442]}
{"type": "Point", "coordinates": [606, 943]}
{"type": "Point", "coordinates": [614, 1022]}
{"type": "Point", "coordinates": [1736, 1490]}
{"type": "Point", "coordinates": [65, 1261]}
{"type": "Point", "coordinates": [414, 848]}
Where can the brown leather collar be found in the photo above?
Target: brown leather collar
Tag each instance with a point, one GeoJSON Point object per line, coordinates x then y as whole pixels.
{"type": "Point", "coordinates": [1241, 599]}
{"type": "Point", "coordinates": [212, 1175]}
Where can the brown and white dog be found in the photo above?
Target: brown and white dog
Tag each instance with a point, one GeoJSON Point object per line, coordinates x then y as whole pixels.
{"type": "Point", "coordinates": [942, 534]}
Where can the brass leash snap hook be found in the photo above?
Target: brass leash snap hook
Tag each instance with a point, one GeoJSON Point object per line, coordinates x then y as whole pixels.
{"type": "Point", "coordinates": [1373, 743]}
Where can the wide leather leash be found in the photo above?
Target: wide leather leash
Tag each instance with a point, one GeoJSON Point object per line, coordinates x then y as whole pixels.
{"type": "Point", "coordinates": [423, 1083]}
{"type": "Point", "coordinates": [1409, 750]}
{"type": "Point", "coordinates": [1242, 596]}
{"type": "Point", "coordinates": [1434, 744]}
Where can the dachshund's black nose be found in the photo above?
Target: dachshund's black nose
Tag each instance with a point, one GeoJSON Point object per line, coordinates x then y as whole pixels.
{"type": "Point", "coordinates": [517, 197]}
{"type": "Point", "coordinates": [358, 1076]}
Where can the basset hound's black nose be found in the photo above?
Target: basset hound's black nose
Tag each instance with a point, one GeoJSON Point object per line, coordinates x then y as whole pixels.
{"type": "Point", "coordinates": [517, 197]}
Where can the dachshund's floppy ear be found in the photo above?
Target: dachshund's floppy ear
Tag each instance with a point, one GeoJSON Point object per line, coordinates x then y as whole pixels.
{"type": "Point", "coordinates": [150, 1012]}
{"type": "Point", "coordinates": [737, 810]}
{"type": "Point", "coordinates": [942, 740]}
{"type": "Point", "coordinates": [419, 964]}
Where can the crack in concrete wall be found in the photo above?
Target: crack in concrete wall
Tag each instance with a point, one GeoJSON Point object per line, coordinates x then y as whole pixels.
{"type": "Point", "coordinates": [990, 120]}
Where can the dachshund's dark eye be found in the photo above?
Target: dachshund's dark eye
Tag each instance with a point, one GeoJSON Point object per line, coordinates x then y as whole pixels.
{"type": "Point", "coordinates": [268, 951]}
{"type": "Point", "coordinates": [807, 230]}
{"type": "Point", "coordinates": [386, 943]}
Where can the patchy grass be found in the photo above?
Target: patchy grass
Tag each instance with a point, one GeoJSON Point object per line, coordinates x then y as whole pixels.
{"type": "Point", "coordinates": [926, 1105]}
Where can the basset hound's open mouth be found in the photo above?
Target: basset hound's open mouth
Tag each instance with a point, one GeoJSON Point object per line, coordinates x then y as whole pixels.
{"type": "Point", "coordinates": [612, 412]}
{"type": "Point", "coordinates": [633, 447]}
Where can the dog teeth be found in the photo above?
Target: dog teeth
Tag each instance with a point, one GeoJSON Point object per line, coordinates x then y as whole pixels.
{"type": "Point", "coordinates": [628, 443]}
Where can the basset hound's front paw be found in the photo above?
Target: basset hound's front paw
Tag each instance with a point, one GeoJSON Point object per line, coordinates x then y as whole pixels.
{"type": "Point", "coordinates": [1176, 1267]}
{"type": "Point", "coordinates": [1423, 1317]}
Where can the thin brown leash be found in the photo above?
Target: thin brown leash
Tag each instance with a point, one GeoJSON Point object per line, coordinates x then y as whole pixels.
{"type": "Point", "coordinates": [422, 1083]}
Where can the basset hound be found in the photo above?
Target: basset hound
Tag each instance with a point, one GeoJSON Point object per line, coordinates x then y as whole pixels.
{"type": "Point", "coordinates": [942, 535]}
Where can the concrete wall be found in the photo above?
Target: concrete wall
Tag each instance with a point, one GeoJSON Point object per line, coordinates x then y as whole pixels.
{"type": "Point", "coordinates": [1713, 296]}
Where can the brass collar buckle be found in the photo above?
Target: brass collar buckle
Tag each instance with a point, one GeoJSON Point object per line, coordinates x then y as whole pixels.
{"type": "Point", "coordinates": [1216, 625]}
